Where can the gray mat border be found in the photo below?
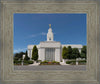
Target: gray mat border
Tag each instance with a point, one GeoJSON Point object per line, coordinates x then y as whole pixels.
{"type": "Point", "coordinates": [49, 82]}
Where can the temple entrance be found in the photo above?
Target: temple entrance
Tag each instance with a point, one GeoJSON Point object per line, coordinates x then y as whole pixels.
{"type": "Point", "coordinates": [49, 54]}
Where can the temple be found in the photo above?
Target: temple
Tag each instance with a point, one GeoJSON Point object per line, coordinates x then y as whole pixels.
{"type": "Point", "coordinates": [50, 50]}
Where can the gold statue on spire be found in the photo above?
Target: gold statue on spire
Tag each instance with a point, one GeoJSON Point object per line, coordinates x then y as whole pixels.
{"type": "Point", "coordinates": [49, 25]}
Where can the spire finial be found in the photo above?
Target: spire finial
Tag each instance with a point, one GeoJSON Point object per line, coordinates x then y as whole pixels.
{"type": "Point", "coordinates": [49, 25]}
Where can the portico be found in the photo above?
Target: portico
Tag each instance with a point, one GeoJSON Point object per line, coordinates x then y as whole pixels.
{"type": "Point", "coordinates": [50, 51]}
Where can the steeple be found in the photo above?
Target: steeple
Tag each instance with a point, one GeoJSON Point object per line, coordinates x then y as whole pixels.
{"type": "Point", "coordinates": [49, 25]}
{"type": "Point", "coordinates": [50, 34]}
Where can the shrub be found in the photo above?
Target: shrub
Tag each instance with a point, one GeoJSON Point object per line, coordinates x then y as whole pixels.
{"type": "Point", "coordinates": [17, 62]}
{"type": "Point", "coordinates": [68, 62]}
{"type": "Point", "coordinates": [39, 61]}
{"type": "Point", "coordinates": [35, 53]}
{"type": "Point", "coordinates": [84, 52]}
{"type": "Point", "coordinates": [54, 62]}
{"type": "Point", "coordinates": [30, 62]}
{"type": "Point", "coordinates": [71, 62]}
{"type": "Point", "coordinates": [18, 56]}
{"type": "Point", "coordinates": [45, 61]}
{"type": "Point", "coordinates": [26, 57]}
{"type": "Point", "coordinates": [49, 63]}
{"type": "Point", "coordinates": [64, 52]}
{"type": "Point", "coordinates": [82, 61]}
{"type": "Point", "coordinates": [75, 53]}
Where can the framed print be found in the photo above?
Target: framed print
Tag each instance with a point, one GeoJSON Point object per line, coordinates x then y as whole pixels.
{"type": "Point", "coordinates": [45, 50]}
{"type": "Point", "coordinates": [50, 42]}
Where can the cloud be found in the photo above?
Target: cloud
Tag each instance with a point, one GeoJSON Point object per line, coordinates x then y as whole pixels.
{"type": "Point", "coordinates": [33, 35]}
{"type": "Point", "coordinates": [19, 50]}
{"type": "Point", "coordinates": [43, 33]}
{"type": "Point", "coordinates": [39, 34]}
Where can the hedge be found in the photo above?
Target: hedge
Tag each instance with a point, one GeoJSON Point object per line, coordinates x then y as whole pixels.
{"type": "Point", "coordinates": [17, 62]}
{"type": "Point", "coordinates": [49, 63]}
{"type": "Point", "coordinates": [74, 62]}
{"type": "Point", "coordinates": [71, 62]}
{"type": "Point", "coordinates": [25, 62]}
{"type": "Point", "coordinates": [28, 62]}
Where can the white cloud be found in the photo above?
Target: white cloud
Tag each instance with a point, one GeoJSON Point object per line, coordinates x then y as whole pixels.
{"type": "Point", "coordinates": [19, 50]}
{"type": "Point", "coordinates": [39, 34]}
{"type": "Point", "coordinates": [43, 33]}
{"type": "Point", "coordinates": [33, 35]}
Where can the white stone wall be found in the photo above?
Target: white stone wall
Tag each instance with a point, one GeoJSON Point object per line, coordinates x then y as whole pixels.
{"type": "Point", "coordinates": [50, 44]}
{"type": "Point", "coordinates": [42, 54]}
{"type": "Point", "coordinates": [30, 53]}
{"type": "Point", "coordinates": [57, 54]}
{"type": "Point", "coordinates": [58, 49]}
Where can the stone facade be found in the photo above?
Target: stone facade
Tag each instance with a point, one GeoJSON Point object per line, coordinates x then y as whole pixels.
{"type": "Point", "coordinates": [50, 50]}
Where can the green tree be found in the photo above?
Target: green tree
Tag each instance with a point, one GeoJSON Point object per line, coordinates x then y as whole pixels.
{"type": "Point", "coordinates": [69, 55]}
{"type": "Point", "coordinates": [26, 57]}
{"type": "Point", "coordinates": [84, 52]}
{"type": "Point", "coordinates": [35, 53]}
{"type": "Point", "coordinates": [64, 52]}
{"type": "Point", "coordinates": [18, 56]}
{"type": "Point", "coordinates": [75, 53]}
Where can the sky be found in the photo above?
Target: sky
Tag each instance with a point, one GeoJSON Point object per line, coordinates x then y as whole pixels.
{"type": "Point", "coordinates": [31, 29]}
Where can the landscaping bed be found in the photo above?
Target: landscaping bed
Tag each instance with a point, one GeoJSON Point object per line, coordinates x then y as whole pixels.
{"type": "Point", "coordinates": [16, 62]}
{"type": "Point", "coordinates": [73, 62]}
{"type": "Point", "coordinates": [49, 63]}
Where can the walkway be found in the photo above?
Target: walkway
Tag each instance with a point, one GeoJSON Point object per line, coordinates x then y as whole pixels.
{"type": "Point", "coordinates": [51, 67]}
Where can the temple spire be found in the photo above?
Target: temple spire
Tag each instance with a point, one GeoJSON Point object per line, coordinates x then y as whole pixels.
{"type": "Point", "coordinates": [50, 34]}
{"type": "Point", "coordinates": [49, 25]}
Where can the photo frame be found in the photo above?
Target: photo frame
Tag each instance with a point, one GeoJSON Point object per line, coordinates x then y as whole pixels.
{"type": "Point", "coordinates": [9, 75]}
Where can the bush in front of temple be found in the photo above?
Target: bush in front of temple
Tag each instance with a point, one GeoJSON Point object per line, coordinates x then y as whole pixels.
{"type": "Point", "coordinates": [64, 52]}
{"type": "Point", "coordinates": [73, 62]}
{"type": "Point", "coordinates": [16, 62]}
{"type": "Point", "coordinates": [83, 52]}
{"type": "Point", "coordinates": [18, 56]}
{"type": "Point", "coordinates": [35, 53]}
{"type": "Point", "coordinates": [26, 57]}
{"type": "Point", "coordinates": [75, 53]}
{"type": "Point", "coordinates": [70, 50]}
{"type": "Point", "coordinates": [28, 62]}
{"type": "Point", "coordinates": [49, 63]}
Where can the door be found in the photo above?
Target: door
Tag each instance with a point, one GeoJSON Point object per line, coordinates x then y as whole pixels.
{"type": "Point", "coordinates": [49, 54]}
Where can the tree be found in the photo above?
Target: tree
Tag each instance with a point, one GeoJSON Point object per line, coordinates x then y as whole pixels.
{"type": "Point", "coordinates": [26, 56]}
{"type": "Point", "coordinates": [64, 52]}
{"type": "Point", "coordinates": [75, 53]}
{"type": "Point", "coordinates": [18, 56]}
{"type": "Point", "coordinates": [83, 52]}
{"type": "Point", "coordinates": [35, 53]}
{"type": "Point", "coordinates": [69, 56]}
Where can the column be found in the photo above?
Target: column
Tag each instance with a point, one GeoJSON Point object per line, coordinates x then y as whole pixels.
{"type": "Point", "coordinates": [57, 54]}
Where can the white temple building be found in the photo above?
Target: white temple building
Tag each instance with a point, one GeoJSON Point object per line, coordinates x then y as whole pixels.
{"type": "Point", "coordinates": [50, 50]}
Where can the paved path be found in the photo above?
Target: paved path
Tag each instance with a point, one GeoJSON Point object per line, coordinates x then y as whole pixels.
{"type": "Point", "coordinates": [51, 67]}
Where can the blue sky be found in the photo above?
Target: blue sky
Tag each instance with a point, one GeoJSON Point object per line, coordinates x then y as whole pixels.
{"type": "Point", "coordinates": [30, 29]}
